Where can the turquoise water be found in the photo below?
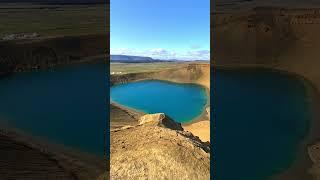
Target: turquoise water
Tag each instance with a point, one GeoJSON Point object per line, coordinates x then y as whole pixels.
{"type": "Point", "coordinates": [261, 117]}
{"type": "Point", "coordinates": [181, 102]}
{"type": "Point", "coordinates": [66, 105]}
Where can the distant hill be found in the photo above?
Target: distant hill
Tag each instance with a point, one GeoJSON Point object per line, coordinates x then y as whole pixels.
{"type": "Point", "coordinates": [134, 59]}
{"type": "Point", "coordinates": [144, 59]}
{"type": "Point", "coordinates": [130, 58]}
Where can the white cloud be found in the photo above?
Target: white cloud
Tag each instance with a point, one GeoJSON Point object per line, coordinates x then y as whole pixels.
{"type": "Point", "coordinates": [160, 53]}
{"type": "Point", "coordinates": [202, 54]}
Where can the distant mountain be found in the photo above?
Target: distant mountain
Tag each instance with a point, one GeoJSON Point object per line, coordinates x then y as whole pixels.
{"type": "Point", "coordinates": [134, 59]}
{"type": "Point", "coordinates": [201, 61]}
{"type": "Point", "coordinates": [130, 58]}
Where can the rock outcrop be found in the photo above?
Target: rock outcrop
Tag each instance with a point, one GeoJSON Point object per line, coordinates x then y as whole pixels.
{"type": "Point", "coordinates": [158, 148]}
{"type": "Point", "coordinates": [161, 120]}
{"type": "Point", "coordinates": [314, 154]}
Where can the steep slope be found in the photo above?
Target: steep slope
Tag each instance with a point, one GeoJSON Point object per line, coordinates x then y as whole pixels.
{"type": "Point", "coordinates": [22, 55]}
{"type": "Point", "coordinates": [189, 73]}
{"type": "Point", "coordinates": [158, 148]}
{"type": "Point", "coordinates": [24, 157]}
{"type": "Point", "coordinates": [274, 37]}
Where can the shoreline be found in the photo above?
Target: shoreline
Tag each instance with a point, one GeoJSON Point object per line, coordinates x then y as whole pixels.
{"type": "Point", "coordinates": [134, 112]}
{"type": "Point", "coordinates": [199, 118]}
{"type": "Point", "coordinates": [207, 89]}
{"type": "Point", "coordinates": [199, 126]}
{"type": "Point", "coordinates": [204, 117]}
{"type": "Point", "coordinates": [38, 141]}
{"type": "Point", "coordinates": [85, 60]}
{"type": "Point", "coordinates": [301, 165]}
{"type": "Point", "coordinates": [71, 161]}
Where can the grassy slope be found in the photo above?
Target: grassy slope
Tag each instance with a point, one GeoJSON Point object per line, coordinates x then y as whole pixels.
{"type": "Point", "coordinates": [68, 33]}
{"type": "Point", "coordinates": [126, 68]}
{"type": "Point", "coordinates": [53, 20]}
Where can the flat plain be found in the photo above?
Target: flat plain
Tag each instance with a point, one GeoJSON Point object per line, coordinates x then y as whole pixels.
{"type": "Point", "coordinates": [53, 20]}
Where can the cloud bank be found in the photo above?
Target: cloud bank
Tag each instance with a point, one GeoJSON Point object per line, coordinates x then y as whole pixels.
{"type": "Point", "coordinates": [164, 54]}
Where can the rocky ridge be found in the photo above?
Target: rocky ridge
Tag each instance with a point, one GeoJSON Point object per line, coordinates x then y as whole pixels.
{"type": "Point", "coordinates": [158, 148]}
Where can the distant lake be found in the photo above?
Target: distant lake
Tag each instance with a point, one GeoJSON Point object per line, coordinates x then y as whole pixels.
{"type": "Point", "coordinates": [66, 105]}
{"type": "Point", "coordinates": [262, 116]}
{"type": "Point", "coordinates": [181, 102]}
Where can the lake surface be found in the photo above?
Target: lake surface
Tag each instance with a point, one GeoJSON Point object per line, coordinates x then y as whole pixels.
{"type": "Point", "coordinates": [181, 102]}
{"type": "Point", "coordinates": [66, 106]}
{"type": "Point", "coordinates": [261, 117]}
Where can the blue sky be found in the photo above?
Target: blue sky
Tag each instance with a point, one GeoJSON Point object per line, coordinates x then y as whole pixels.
{"type": "Point", "coordinates": [165, 29]}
